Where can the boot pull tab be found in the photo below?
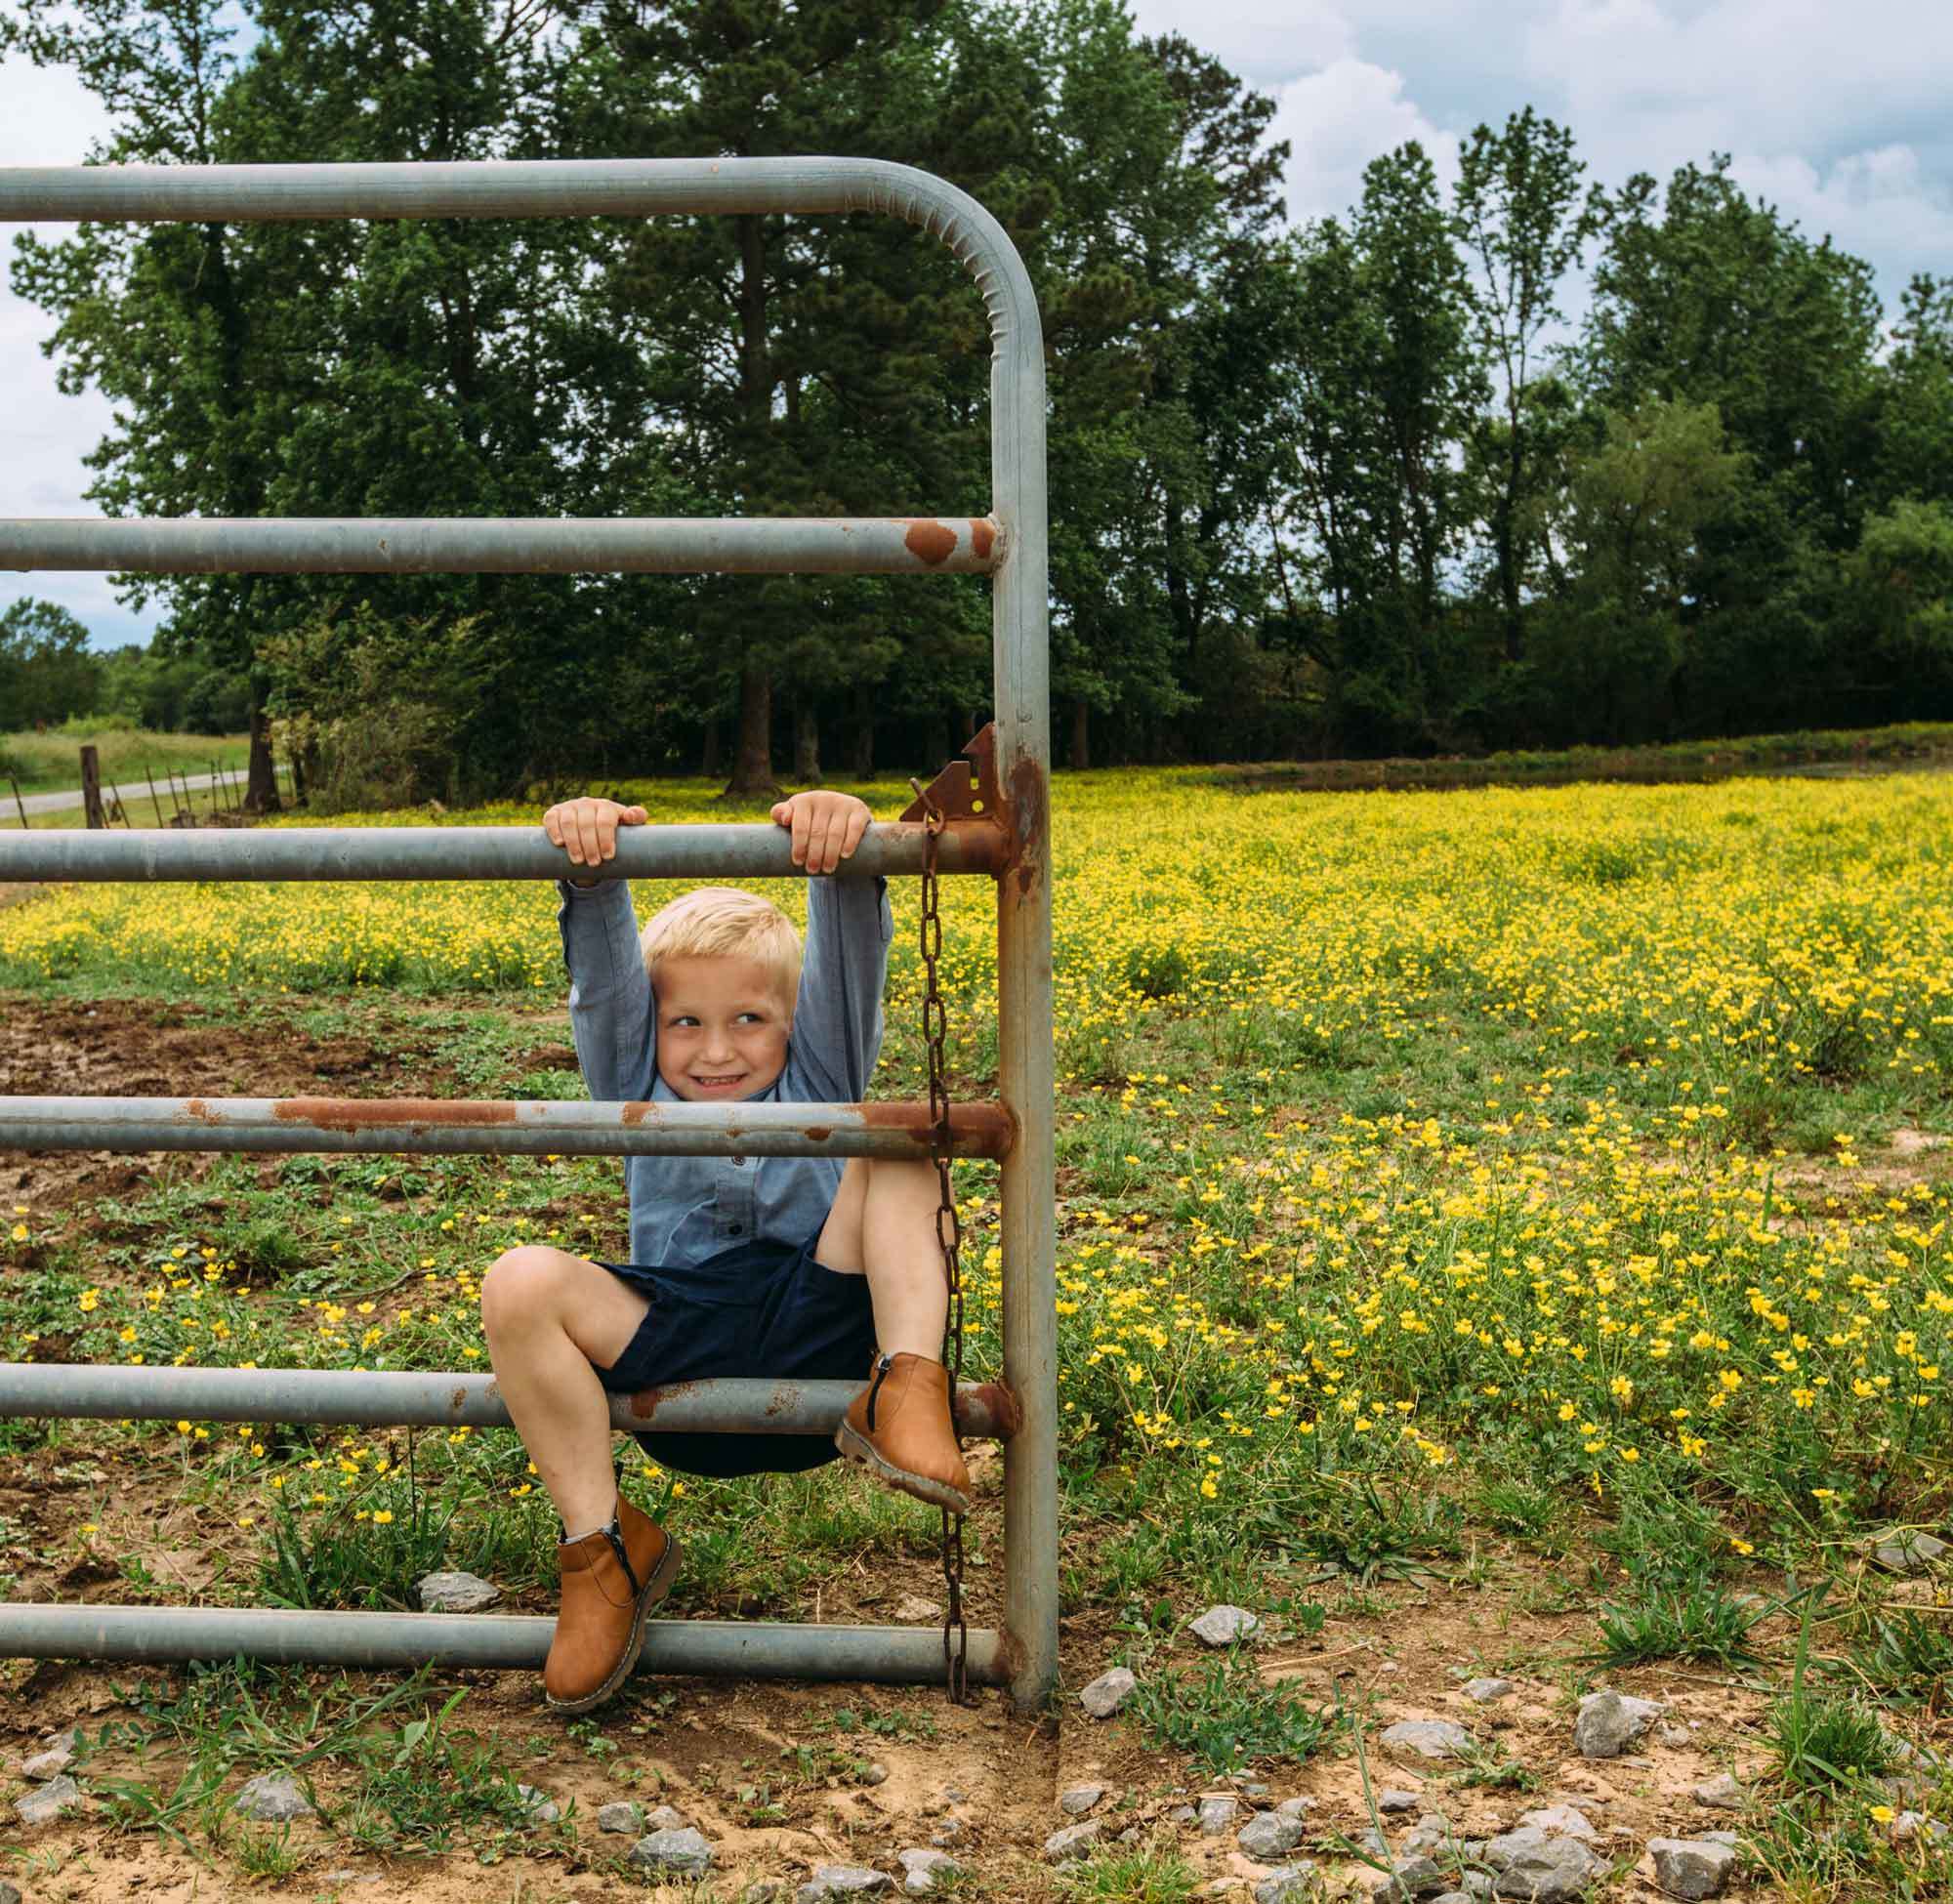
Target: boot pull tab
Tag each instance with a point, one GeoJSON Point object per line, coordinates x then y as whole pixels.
{"type": "Point", "coordinates": [882, 1364]}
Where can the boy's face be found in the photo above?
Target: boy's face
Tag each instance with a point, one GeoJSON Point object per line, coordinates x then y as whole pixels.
{"type": "Point", "coordinates": [722, 1027]}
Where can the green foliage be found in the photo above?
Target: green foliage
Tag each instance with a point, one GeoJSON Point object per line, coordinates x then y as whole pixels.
{"type": "Point", "coordinates": [1698, 1623]}
{"type": "Point", "coordinates": [1225, 1717]}
{"type": "Point", "coordinates": [47, 675]}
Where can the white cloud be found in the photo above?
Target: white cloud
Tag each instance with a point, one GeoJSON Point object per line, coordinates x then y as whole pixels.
{"type": "Point", "coordinates": [1266, 42]}
{"type": "Point", "coordinates": [1341, 119]}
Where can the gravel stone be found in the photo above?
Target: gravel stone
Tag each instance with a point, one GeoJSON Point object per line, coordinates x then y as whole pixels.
{"type": "Point", "coordinates": [921, 1869]}
{"type": "Point", "coordinates": [1429, 1738]}
{"type": "Point", "coordinates": [1268, 1838]}
{"type": "Point", "coordinates": [842, 1881]}
{"type": "Point", "coordinates": [1691, 1867]}
{"type": "Point", "coordinates": [1222, 1626]}
{"type": "Point", "coordinates": [1911, 1551]}
{"type": "Point", "coordinates": [46, 1802]}
{"type": "Point", "coordinates": [8, 1894]}
{"type": "Point", "coordinates": [1720, 1793]}
{"type": "Point", "coordinates": [272, 1797]}
{"type": "Point", "coordinates": [1561, 1821]}
{"type": "Point", "coordinates": [1108, 1692]}
{"type": "Point", "coordinates": [53, 1757]}
{"type": "Point", "coordinates": [538, 1808]}
{"type": "Point", "coordinates": [1080, 1800]}
{"type": "Point", "coordinates": [1543, 1870]}
{"type": "Point", "coordinates": [456, 1592]}
{"type": "Point", "coordinates": [1610, 1723]}
{"type": "Point", "coordinates": [666, 1819]}
{"type": "Point", "coordinates": [621, 1816]}
{"type": "Point", "coordinates": [1073, 1841]}
{"type": "Point", "coordinates": [1485, 1691]}
{"type": "Point", "coordinates": [1409, 1877]}
{"type": "Point", "coordinates": [913, 1610]}
{"type": "Point", "coordinates": [1181, 1814]}
{"type": "Point", "coordinates": [762, 1891]}
{"type": "Point", "coordinates": [1217, 1815]}
{"type": "Point", "coordinates": [1393, 1799]}
{"type": "Point", "coordinates": [1293, 1884]}
{"type": "Point", "coordinates": [673, 1853]}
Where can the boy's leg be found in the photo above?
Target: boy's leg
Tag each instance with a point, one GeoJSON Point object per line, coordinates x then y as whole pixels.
{"type": "Point", "coordinates": [552, 1320]}
{"type": "Point", "coordinates": [883, 1225]}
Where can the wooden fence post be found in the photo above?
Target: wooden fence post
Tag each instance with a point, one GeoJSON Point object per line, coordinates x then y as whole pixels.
{"type": "Point", "coordinates": [91, 788]}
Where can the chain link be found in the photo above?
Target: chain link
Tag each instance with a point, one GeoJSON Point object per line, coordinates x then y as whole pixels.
{"type": "Point", "coordinates": [948, 1229]}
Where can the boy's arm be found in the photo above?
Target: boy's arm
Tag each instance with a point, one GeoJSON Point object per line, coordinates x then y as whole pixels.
{"type": "Point", "coordinates": [837, 1030]}
{"type": "Point", "coordinates": [610, 1015]}
{"type": "Point", "coordinates": [837, 1016]}
{"type": "Point", "coordinates": [611, 1005]}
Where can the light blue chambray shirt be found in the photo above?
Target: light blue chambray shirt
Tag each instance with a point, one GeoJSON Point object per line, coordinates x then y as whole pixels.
{"type": "Point", "coordinates": [685, 1210]}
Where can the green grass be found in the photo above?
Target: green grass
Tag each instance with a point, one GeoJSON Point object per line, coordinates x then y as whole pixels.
{"type": "Point", "coordinates": [43, 763]}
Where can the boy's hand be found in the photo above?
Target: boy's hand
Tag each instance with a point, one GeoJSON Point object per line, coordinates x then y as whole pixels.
{"type": "Point", "coordinates": [826, 827]}
{"type": "Point", "coordinates": [586, 829]}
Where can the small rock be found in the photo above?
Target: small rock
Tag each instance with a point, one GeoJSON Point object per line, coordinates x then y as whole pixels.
{"type": "Point", "coordinates": [1217, 1814]}
{"type": "Point", "coordinates": [921, 1870]}
{"type": "Point", "coordinates": [56, 1756]}
{"type": "Point", "coordinates": [1908, 1824]}
{"type": "Point", "coordinates": [1080, 1800]}
{"type": "Point", "coordinates": [1295, 1807]}
{"type": "Point", "coordinates": [762, 1891]}
{"type": "Point", "coordinates": [538, 1808]}
{"type": "Point", "coordinates": [1675, 1737]}
{"type": "Point", "coordinates": [1485, 1691]}
{"type": "Point", "coordinates": [1293, 1884]}
{"type": "Point", "coordinates": [875, 1774]}
{"type": "Point", "coordinates": [456, 1592]}
{"type": "Point", "coordinates": [1429, 1738]}
{"type": "Point", "coordinates": [272, 1797]}
{"type": "Point", "coordinates": [666, 1819]}
{"type": "Point", "coordinates": [1561, 1821]}
{"type": "Point", "coordinates": [622, 1817]}
{"type": "Point", "coordinates": [1393, 1800]}
{"type": "Point", "coordinates": [1730, 1839]}
{"type": "Point", "coordinates": [1268, 1838]}
{"type": "Point", "coordinates": [955, 1794]}
{"type": "Point", "coordinates": [1181, 1814]}
{"type": "Point", "coordinates": [1691, 1867]}
{"type": "Point", "coordinates": [912, 1610]}
{"type": "Point", "coordinates": [1610, 1723]}
{"type": "Point", "coordinates": [1372, 1843]}
{"type": "Point", "coordinates": [1073, 1841]}
{"type": "Point", "coordinates": [842, 1881]}
{"type": "Point", "coordinates": [1541, 1869]}
{"type": "Point", "coordinates": [1911, 1551]}
{"type": "Point", "coordinates": [1720, 1793]}
{"type": "Point", "coordinates": [1223, 1626]}
{"type": "Point", "coordinates": [1252, 1788]}
{"type": "Point", "coordinates": [951, 1831]}
{"type": "Point", "coordinates": [1452, 1897]}
{"type": "Point", "coordinates": [673, 1853]}
{"type": "Point", "coordinates": [1409, 1877]}
{"type": "Point", "coordinates": [46, 1802]}
{"type": "Point", "coordinates": [1108, 1692]}
{"type": "Point", "coordinates": [8, 1894]}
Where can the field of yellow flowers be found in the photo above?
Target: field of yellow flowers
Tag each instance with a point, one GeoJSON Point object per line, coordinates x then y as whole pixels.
{"type": "Point", "coordinates": [1427, 1158]}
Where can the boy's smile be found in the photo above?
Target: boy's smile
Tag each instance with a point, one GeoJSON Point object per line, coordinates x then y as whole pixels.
{"type": "Point", "coordinates": [722, 1027]}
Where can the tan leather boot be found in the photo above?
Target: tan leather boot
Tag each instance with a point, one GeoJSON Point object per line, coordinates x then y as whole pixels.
{"type": "Point", "coordinates": [898, 1428]}
{"type": "Point", "coordinates": [611, 1580]}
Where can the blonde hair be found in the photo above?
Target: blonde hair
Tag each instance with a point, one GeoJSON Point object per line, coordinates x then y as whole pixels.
{"type": "Point", "coordinates": [720, 922]}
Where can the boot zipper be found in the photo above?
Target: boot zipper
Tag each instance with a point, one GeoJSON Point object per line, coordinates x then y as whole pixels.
{"type": "Point", "coordinates": [882, 1364]}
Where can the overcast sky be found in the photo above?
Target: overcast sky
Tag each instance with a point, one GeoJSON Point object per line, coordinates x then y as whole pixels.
{"type": "Point", "coordinates": [1833, 109]}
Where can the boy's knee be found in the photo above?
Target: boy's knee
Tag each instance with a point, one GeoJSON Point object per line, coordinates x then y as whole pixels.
{"type": "Point", "coordinates": [520, 1284]}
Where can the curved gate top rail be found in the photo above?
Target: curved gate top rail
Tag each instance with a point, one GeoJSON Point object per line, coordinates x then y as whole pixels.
{"type": "Point", "coordinates": [1009, 544]}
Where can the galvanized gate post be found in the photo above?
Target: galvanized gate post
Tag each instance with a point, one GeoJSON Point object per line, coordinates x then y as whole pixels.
{"type": "Point", "coordinates": [1014, 846]}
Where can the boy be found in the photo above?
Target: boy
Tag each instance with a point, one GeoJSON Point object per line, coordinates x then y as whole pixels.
{"type": "Point", "coordinates": [740, 1265]}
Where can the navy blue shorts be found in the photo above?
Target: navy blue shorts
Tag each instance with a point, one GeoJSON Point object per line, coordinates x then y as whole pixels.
{"type": "Point", "coordinates": [761, 1309]}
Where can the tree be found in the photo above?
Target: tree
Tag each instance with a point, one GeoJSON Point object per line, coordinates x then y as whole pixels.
{"type": "Point", "coordinates": [1915, 410]}
{"type": "Point", "coordinates": [1519, 215]}
{"type": "Point", "coordinates": [46, 670]}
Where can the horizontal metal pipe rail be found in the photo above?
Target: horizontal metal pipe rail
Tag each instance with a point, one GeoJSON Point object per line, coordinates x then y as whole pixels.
{"type": "Point", "coordinates": [117, 1391]}
{"type": "Point", "coordinates": [512, 1128]}
{"type": "Point", "coordinates": [629, 545]}
{"type": "Point", "coordinates": [729, 1648]}
{"type": "Point", "coordinates": [889, 849]}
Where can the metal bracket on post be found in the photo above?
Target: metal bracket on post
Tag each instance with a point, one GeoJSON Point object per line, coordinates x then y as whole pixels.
{"type": "Point", "coordinates": [966, 793]}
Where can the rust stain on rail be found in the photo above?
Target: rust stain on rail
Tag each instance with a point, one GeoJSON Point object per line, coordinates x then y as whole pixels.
{"type": "Point", "coordinates": [983, 536]}
{"type": "Point", "coordinates": [198, 1109]}
{"type": "Point", "coordinates": [390, 1113]}
{"type": "Point", "coordinates": [646, 1402]}
{"type": "Point", "coordinates": [929, 541]}
{"type": "Point", "coordinates": [990, 1128]}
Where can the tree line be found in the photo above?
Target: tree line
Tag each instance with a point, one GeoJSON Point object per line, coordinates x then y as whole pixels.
{"type": "Point", "coordinates": [1354, 487]}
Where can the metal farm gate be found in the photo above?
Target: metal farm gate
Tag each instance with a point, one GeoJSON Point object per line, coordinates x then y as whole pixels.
{"type": "Point", "coordinates": [998, 826]}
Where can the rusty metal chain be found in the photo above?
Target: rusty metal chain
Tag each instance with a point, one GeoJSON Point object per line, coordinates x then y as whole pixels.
{"type": "Point", "coordinates": [948, 1229]}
